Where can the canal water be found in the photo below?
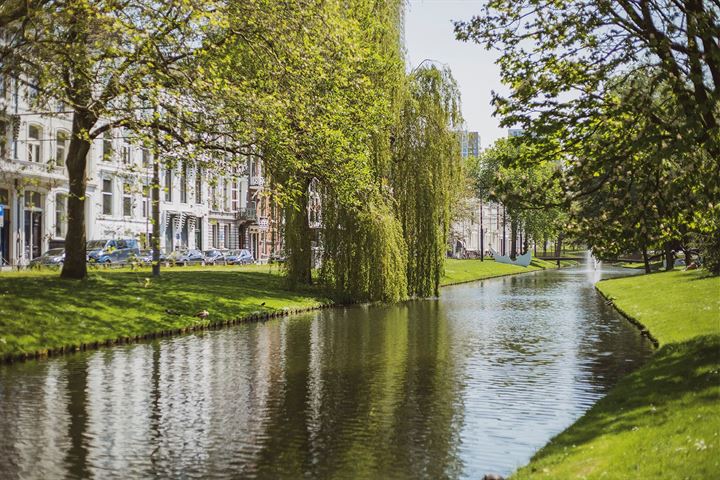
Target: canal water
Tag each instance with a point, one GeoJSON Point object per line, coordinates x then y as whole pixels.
{"type": "Point", "coordinates": [456, 387]}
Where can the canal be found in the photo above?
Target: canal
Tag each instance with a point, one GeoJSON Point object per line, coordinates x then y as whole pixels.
{"type": "Point", "coordinates": [456, 387]}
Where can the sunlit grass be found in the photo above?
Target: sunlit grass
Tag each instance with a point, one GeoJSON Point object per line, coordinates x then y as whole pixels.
{"type": "Point", "coordinates": [39, 310]}
{"type": "Point", "coordinates": [459, 271]}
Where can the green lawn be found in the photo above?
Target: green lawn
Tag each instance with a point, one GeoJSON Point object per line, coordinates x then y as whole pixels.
{"type": "Point", "coordinates": [459, 271]}
{"type": "Point", "coordinates": [39, 311]}
{"type": "Point", "coordinates": [663, 420]}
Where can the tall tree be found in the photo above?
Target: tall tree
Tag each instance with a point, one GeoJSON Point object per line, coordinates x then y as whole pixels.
{"type": "Point", "coordinates": [426, 173]}
{"type": "Point", "coordinates": [98, 57]}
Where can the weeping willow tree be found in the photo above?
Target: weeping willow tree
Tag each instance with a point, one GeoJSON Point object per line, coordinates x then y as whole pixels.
{"type": "Point", "coordinates": [426, 173]}
{"type": "Point", "coordinates": [381, 145]}
{"type": "Point", "coordinates": [344, 143]}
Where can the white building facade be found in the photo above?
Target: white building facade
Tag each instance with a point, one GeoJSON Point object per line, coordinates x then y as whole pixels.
{"type": "Point", "coordinates": [480, 227]}
{"type": "Point", "coordinates": [199, 208]}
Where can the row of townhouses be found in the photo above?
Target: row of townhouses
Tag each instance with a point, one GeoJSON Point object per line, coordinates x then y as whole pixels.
{"type": "Point", "coordinates": [200, 208]}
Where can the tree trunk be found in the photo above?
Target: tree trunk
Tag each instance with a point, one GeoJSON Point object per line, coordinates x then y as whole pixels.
{"type": "Point", "coordinates": [298, 243]}
{"type": "Point", "coordinates": [75, 263]}
{"type": "Point", "coordinates": [558, 248]}
{"type": "Point", "coordinates": [646, 260]}
{"type": "Point", "coordinates": [504, 239]}
{"type": "Point", "coordinates": [513, 238]}
{"type": "Point", "coordinates": [669, 257]}
{"type": "Point", "coordinates": [545, 245]}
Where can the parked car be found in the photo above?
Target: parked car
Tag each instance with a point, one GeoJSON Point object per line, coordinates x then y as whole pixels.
{"type": "Point", "coordinates": [146, 256]}
{"type": "Point", "coordinates": [98, 248]}
{"type": "Point", "coordinates": [55, 256]}
{"type": "Point", "coordinates": [215, 256]}
{"type": "Point", "coordinates": [120, 255]}
{"type": "Point", "coordinates": [187, 257]}
{"type": "Point", "coordinates": [239, 257]}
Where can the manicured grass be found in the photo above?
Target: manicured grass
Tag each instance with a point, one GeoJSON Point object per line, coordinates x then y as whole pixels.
{"type": "Point", "coordinates": [675, 306]}
{"type": "Point", "coordinates": [40, 311]}
{"type": "Point", "coordinates": [662, 420]}
{"type": "Point", "coordinates": [459, 271]}
{"type": "Point", "coordinates": [641, 265]}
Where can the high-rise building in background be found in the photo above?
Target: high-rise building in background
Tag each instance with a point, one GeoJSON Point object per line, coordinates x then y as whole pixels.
{"type": "Point", "coordinates": [473, 144]}
{"type": "Point", "coordinates": [515, 132]}
{"type": "Point", "coordinates": [469, 144]}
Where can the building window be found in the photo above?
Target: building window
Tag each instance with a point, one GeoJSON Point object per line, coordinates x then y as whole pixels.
{"type": "Point", "coordinates": [107, 197]}
{"type": "Point", "coordinates": [198, 186]}
{"type": "Point", "coordinates": [62, 139]}
{"type": "Point", "coordinates": [4, 138]}
{"type": "Point", "coordinates": [146, 157]}
{"type": "Point", "coordinates": [226, 235]}
{"type": "Point", "coordinates": [225, 196]}
{"type": "Point", "coordinates": [127, 200]}
{"type": "Point", "coordinates": [33, 145]}
{"type": "Point", "coordinates": [213, 198]}
{"type": "Point", "coordinates": [235, 195]}
{"type": "Point", "coordinates": [33, 199]}
{"type": "Point", "coordinates": [216, 235]}
{"type": "Point", "coordinates": [60, 215]}
{"type": "Point", "coordinates": [147, 192]}
{"type": "Point", "coordinates": [168, 185]}
{"type": "Point", "coordinates": [126, 154]}
{"type": "Point", "coordinates": [183, 183]}
{"type": "Point", "coordinates": [107, 147]}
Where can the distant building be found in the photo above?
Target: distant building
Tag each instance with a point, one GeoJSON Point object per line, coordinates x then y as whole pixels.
{"type": "Point", "coordinates": [478, 227]}
{"type": "Point", "coordinates": [473, 144]}
{"type": "Point", "coordinates": [469, 144]}
{"type": "Point", "coordinates": [515, 132]}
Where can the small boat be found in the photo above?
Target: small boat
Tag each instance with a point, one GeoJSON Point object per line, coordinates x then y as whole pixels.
{"type": "Point", "coordinates": [521, 260]}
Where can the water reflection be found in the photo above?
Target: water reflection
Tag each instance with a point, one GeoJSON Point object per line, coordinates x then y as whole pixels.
{"type": "Point", "coordinates": [456, 387]}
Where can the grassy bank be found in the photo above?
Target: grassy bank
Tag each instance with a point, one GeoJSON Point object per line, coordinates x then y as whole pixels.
{"type": "Point", "coordinates": [39, 311]}
{"type": "Point", "coordinates": [460, 271]}
{"type": "Point", "coordinates": [662, 420]}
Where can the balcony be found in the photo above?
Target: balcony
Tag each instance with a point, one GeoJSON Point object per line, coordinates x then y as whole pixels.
{"type": "Point", "coordinates": [257, 181]}
{"type": "Point", "coordinates": [247, 214]}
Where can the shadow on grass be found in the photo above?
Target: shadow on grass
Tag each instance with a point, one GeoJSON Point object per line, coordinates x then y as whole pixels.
{"type": "Point", "coordinates": [43, 311]}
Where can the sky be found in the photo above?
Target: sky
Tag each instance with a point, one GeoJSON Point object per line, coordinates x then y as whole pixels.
{"type": "Point", "coordinates": [429, 34]}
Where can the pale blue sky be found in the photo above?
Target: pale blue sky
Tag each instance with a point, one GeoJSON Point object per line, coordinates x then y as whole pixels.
{"type": "Point", "coordinates": [429, 34]}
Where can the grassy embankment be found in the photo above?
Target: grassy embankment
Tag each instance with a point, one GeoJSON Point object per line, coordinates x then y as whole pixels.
{"type": "Point", "coordinates": [662, 420]}
{"type": "Point", "coordinates": [460, 271]}
{"type": "Point", "coordinates": [40, 312]}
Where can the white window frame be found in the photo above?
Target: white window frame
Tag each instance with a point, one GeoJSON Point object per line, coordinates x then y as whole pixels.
{"type": "Point", "coordinates": [127, 197]}
{"type": "Point", "coordinates": [61, 147]}
{"type": "Point", "coordinates": [34, 145]}
{"type": "Point", "coordinates": [107, 194]}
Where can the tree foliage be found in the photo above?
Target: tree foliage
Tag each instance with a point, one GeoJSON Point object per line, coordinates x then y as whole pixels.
{"type": "Point", "coordinates": [625, 96]}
